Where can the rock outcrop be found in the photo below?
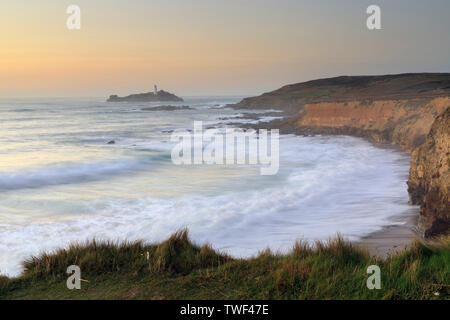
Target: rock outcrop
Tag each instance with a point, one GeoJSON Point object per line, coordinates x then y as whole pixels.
{"type": "Point", "coordinates": [146, 97]}
{"type": "Point", "coordinates": [167, 108]}
{"type": "Point", "coordinates": [429, 180]}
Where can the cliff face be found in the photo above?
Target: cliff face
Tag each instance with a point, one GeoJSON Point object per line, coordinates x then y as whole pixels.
{"type": "Point", "coordinates": [422, 125]}
{"type": "Point", "coordinates": [429, 180]}
{"type": "Point", "coordinates": [401, 122]}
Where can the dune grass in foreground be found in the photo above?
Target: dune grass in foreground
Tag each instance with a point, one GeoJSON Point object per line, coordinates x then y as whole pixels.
{"type": "Point", "coordinates": [179, 269]}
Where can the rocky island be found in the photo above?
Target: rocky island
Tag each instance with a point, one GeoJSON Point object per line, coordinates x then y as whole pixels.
{"type": "Point", "coordinates": [410, 111]}
{"type": "Point", "coordinates": [155, 96]}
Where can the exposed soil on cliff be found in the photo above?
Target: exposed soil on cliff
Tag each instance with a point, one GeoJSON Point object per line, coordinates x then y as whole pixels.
{"type": "Point", "coordinates": [405, 123]}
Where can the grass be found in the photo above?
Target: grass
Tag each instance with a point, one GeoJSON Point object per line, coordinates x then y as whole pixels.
{"type": "Point", "coordinates": [308, 94]}
{"type": "Point", "coordinates": [179, 269]}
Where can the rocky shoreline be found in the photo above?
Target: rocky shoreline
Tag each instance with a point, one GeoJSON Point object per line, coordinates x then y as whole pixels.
{"type": "Point", "coordinates": [419, 125]}
{"type": "Point", "coordinates": [167, 108]}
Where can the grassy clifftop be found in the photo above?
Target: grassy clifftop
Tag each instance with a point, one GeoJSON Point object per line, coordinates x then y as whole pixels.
{"type": "Point", "coordinates": [349, 88]}
{"type": "Point", "coordinates": [179, 269]}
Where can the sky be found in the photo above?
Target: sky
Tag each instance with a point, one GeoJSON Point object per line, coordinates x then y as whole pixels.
{"type": "Point", "coordinates": [211, 47]}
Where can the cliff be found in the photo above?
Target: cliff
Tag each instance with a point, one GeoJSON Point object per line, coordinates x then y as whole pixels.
{"type": "Point", "coordinates": [395, 109]}
{"type": "Point", "coordinates": [405, 123]}
{"type": "Point", "coordinates": [146, 97]}
{"type": "Point", "coordinates": [429, 180]}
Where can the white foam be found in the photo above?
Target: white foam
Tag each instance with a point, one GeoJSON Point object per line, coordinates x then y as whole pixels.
{"type": "Point", "coordinates": [65, 173]}
{"type": "Point", "coordinates": [325, 185]}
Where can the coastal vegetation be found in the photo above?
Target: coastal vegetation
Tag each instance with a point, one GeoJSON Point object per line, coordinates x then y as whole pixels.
{"type": "Point", "coordinates": [179, 269]}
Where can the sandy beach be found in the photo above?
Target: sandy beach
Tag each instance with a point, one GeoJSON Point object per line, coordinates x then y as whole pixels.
{"type": "Point", "coordinates": [393, 238]}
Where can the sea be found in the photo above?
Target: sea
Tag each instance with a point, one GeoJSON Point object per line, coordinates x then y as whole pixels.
{"type": "Point", "coordinates": [61, 182]}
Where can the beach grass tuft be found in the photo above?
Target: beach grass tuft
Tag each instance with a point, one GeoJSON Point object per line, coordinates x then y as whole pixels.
{"type": "Point", "coordinates": [180, 269]}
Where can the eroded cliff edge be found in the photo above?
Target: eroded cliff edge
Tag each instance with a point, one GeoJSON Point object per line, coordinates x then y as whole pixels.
{"type": "Point", "coordinates": [429, 179]}
{"type": "Point", "coordinates": [395, 109]}
{"type": "Point", "coordinates": [404, 122]}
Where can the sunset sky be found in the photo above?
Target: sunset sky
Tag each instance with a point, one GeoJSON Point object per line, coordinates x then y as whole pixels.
{"type": "Point", "coordinates": [209, 47]}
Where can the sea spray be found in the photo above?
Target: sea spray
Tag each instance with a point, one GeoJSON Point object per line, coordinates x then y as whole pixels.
{"type": "Point", "coordinates": [235, 146]}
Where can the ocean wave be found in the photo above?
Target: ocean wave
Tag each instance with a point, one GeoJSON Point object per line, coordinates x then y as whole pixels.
{"type": "Point", "coordinates": [68, 173]}
{"type": "Point", "coordinates": [21, 110]}
{"type": "Point", "coordinates": [325, 185]}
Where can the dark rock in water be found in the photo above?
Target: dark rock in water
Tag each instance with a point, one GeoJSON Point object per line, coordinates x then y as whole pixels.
{"type": "Point", "coordinates": [167, 108]}
{"type": "Point", "coordinates": [146, 97]}
{"type": "Point", "coordinates": [112, 142]}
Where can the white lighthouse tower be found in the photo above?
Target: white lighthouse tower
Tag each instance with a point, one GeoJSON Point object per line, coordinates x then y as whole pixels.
{"type": "Point", "coordinates": [156, 90]}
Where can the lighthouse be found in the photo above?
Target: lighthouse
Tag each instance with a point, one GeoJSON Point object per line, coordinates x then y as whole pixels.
{"type": "Point", "coordinates": [156, 90]}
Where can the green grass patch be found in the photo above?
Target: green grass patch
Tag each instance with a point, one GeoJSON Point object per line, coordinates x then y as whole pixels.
{"type": "Point", "coordinates": [179, 269]}
{"type": "Point", "coordinates": [308, 94]}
